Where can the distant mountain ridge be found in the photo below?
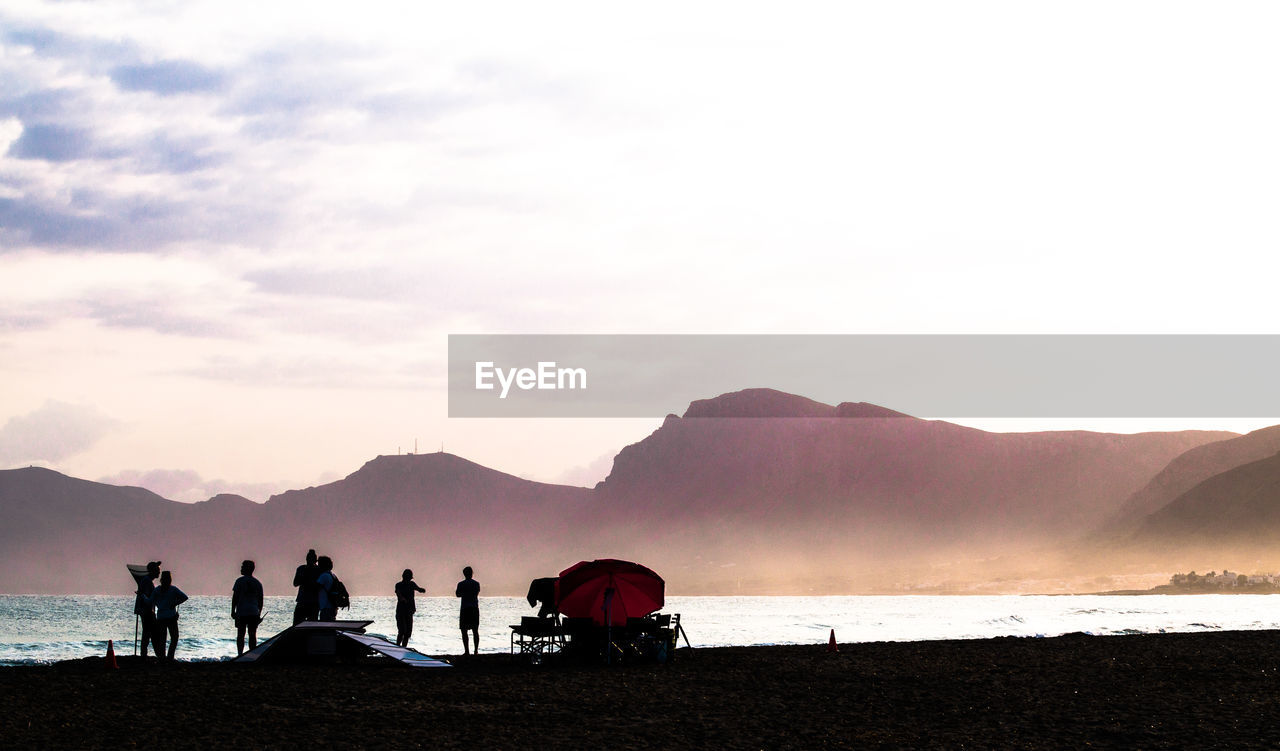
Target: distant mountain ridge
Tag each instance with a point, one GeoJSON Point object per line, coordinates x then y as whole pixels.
{"type": "Point", "coordinates": [812, 484]}
{"type": "Point", "coordinates": [406, 509]}
{"type": "Point", "coordinates": [710, 500]}
{"type": "Point", "coordinates": [1193, 467]}
{"type": "Point", "coordinates": [761, 402]}
{"type": "Point", "coordinates": [1238, 506]}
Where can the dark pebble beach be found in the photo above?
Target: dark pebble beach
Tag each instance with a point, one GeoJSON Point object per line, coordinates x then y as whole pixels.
{"type": "Point", "coordinates": [1175, 691]}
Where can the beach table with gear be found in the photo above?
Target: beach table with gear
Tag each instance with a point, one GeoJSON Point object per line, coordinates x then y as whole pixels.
{"type": "Point", "coordinates": [328, 641]}
{"type": "Point", "coordinates": [604, 608]}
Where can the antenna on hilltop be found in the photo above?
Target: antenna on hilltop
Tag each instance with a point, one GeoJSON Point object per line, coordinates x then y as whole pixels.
{"type": "Point", "coordinates": [415, 445]}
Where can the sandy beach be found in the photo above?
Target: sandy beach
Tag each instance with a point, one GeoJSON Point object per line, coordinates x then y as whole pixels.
{"type": "Point", "coordinates": [1150, 691]}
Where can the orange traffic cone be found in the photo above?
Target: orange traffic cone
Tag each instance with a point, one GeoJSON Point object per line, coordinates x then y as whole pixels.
{"type": "Point", "coordinates": [111, 656]}
{"type": "Point", "coordinates": [831, 644]}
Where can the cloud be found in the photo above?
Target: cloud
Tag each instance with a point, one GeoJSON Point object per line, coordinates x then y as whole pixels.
{"type": "Point", "coordinates": [364, 283]}
{"type": "Point", "coordinates": [587, 475]}
{"type": "Point", "coordinates": [168, 77]}
{"type": "Point", "coordinates": [17, 318]}
{"type": "Point", "coordinates": [248, 139]}
{"type": "Point", "coordinates": [84, 51]}
{"type": "Point", "coordinates": [54, 143]}
{"type": "Point", "coordinates": [157, 152]}
{"type": "Point", "coordinates": [376, 300]}
{"type": "Point", "coordinates": [40, 105]}
{"type": "Point", "coordinates": [169, 483]}
{"type": "Point", "coordinates": [91, 219]}
{"type": "Point", "coordinates": [88, 218]}
{"type": "Point", "coordinates": [53, 432]}
{"type": "Point", "coordinates": [187, 486]}
{"type": "Point", "coordinates": [162, 152]}
{"type": "Point", "coordinates": [310, 371]}
{"type": "Point", "coordinates": [103, 161]}
{"type": "Point", "coordinates": [160, 314]}
{"type": "Point", "coordinates": [81, 173]}
{"type": "Point", "coordinates": [177, 295]}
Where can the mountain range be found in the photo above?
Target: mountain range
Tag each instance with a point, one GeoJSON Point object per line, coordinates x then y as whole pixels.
{"type": "Point", "coordinates": [754, 491]}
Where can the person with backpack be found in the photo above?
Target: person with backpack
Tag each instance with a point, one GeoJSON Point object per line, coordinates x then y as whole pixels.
{"type": "Point", "coordinates": [333, 593]}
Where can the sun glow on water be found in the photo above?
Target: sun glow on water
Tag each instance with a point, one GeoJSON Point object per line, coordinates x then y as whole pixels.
{"type": "Point", "coordinates": [47, 628]}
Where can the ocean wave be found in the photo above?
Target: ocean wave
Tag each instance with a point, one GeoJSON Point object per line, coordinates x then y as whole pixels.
{"type": "Point", "coordinates": [39, 629]}
{"type": "Point", "coordinates": [1006, 620]}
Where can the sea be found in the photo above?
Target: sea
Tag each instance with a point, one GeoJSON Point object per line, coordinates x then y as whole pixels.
{"type": "Point", "coordinates": [39, 629]}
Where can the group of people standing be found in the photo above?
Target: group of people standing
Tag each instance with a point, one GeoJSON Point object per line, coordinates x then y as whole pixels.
{"type": "Point", "coordinates": [320, 594]}
{"type": "Point", "coordinates": [318, 599]}
{"type": "Point", "coordinates": [468, 615]}
{"type": "Point", "coordinates": [157, 611]}
{"type": "Point", "coordinates": [317, 590]}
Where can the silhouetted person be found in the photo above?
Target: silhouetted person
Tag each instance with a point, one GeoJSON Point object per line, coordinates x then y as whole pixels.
{"type": "Point", "coordinates": [167, 598]}
{"type": "Point", "coordinates": [145, 611]}
{"type": "Point", "coordinates": [405, 607]}
{"type": "Point", "coordinates": [246, 606]}
{"type": "Point", "coordinates": [308, 606]}
{"type": "Point", "coordinates": [324, 586]}
{"type": "Point", "coordinates": [469, 613]}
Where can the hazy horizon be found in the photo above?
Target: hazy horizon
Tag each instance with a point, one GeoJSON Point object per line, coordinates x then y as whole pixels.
{"type": "Point", "coordinates": [177, 485]}
{"type": "Point", "coordinates": [234, 237]}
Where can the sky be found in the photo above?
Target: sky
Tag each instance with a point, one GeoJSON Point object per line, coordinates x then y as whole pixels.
{"type": "Point", "coordinates": [234, 237]}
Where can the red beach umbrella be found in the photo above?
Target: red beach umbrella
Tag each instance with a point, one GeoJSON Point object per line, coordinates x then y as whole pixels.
{"type": "Point", "coordinates": [624, 589]}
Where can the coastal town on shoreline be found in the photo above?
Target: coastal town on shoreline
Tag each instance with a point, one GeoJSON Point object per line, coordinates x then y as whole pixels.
{"type": "Point", "coordinates": [1224, 583]}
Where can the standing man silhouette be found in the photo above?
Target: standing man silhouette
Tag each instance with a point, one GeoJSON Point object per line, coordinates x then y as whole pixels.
{"type": "Point", "coordinates": [405, 607]}
{"type": "Point", "coordinates": [166, 598]}
{"type": "Point", "coordinates": [308, 607]}
{"type": "Point", "coordinates": [246, 606]}
{"type": "Point", "coordinates": [469, 614]}
{"type": "Point", "coordinates": [145, 611]}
